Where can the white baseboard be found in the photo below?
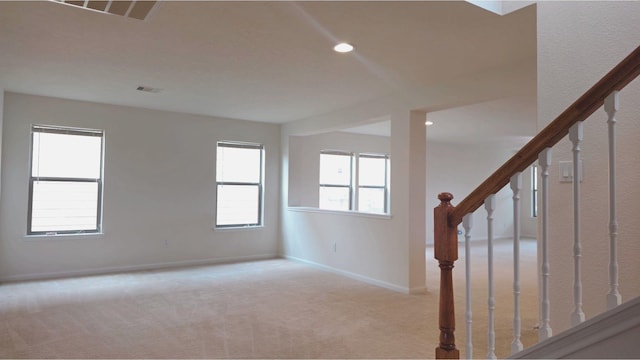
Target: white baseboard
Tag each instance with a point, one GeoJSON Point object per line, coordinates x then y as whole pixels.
{"type": "Point", "coordinates": [127, 268]}
{"type": "Point", "coordinates": [355, 276]}
{"type": "Point", "coordinates": [477, 239]}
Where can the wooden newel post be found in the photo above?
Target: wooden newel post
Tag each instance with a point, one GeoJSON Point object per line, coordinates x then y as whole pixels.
{"type": "Point", "coordinates": [446, 252]}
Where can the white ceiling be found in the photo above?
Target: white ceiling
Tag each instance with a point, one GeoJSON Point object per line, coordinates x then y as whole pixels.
{"type": "Point", "coordinates": [262, 61]}
{"type": "Point", "coordinates": [508, 122]}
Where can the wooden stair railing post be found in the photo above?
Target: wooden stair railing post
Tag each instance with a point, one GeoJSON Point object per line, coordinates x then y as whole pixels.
{"type": "Point", "coordinates": [446, 252]}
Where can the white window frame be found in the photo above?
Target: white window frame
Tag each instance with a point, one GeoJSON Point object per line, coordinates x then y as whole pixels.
{"type": "Point", "coordinates": [534, 191]}
{"type": "Point", "coordinates": [32, 179]}
{"type": "Point", "coordinates": [385, 187]}
{"type": "Point", "coordinates": [351, 172]}
{"type": "Point", "coordinates": [354, 185]}
{"type": "Point", "coordinates": [259, 185]}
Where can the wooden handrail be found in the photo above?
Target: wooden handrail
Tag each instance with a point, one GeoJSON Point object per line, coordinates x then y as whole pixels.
{"type": "Point", "coordinates": [447, 217]}
{"type": "Point", "coordinates": [627, 70]}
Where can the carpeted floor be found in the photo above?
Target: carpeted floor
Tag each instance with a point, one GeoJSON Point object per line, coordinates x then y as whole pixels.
{"type": "Point", "coordinates": [265, 309]}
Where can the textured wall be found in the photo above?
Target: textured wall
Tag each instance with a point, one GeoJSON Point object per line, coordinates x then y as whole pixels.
{"type": "Point", "coordinates": [578, 42]}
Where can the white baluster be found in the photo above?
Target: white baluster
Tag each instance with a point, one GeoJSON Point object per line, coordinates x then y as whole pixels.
{"type": "Point", "coordinates": [516, 186]}
{"type": "Point", "coordinates": [490, 206]}
{"type": "Point", "coordinates": [611, 105]}
{"type": "Point", "coordinates": [467, 224]}
{"type": "Point", "coordinates": [576, 135]}
{"type": "Point", "coordinates": [544, 160]}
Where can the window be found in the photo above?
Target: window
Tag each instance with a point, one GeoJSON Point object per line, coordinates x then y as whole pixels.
{"type": "Point", "coordinates": [372, 183]}
{"type": "Point", "coordinates": [239, 178]}
{"type": "Point", "coordinates": [335, 180]}
{"type": "Point", "coordinates": [65, 184]}
{"type": "Point", "coordinates": [534, 191]}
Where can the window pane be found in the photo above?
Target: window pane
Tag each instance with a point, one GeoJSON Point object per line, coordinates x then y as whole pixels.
{"type": "Point", "coordinates": [63, 155]}
{"type": "Point", "coordinates": [534, 191]}
{"type": "Point", "coordinates": [334, 198]}
{"type": "Point", "coordinates": [238, 164]}
{"type": "Point", "coordinates": [372, 171]}
{"type": "Point", "coordinates": [335, 169]}
{"type": "Point", "coordinates": [64, 206]}
{"type": "Point", "coordinates": [238, 205]}
{"type": "Point", "coordinates": [371, 200]}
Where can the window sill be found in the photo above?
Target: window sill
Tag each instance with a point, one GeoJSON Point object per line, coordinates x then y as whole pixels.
{"type": "Point", "coordinates": [340, 212]}
{"type": "Point", "coordinates": [241, 228]}
{"type": "Point", "coordinates": [62, 236]}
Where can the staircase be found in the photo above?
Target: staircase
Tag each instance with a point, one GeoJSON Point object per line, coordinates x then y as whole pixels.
{"type": "Point", "coordinates": [604, 337]}
{"type": "Point", "coordinates": [448, 217]}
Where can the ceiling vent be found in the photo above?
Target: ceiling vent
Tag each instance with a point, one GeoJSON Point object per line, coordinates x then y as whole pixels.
{"type": "Point", "coordinates": [148, 89]}
{"type": "Point", "coordinates": [131, 9]}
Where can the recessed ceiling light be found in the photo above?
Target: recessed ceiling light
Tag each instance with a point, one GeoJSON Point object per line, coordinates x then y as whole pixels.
{"type": "Point", "coordinates": [343, 48]}
{"type": "Point", "coordinates": [428, 123]}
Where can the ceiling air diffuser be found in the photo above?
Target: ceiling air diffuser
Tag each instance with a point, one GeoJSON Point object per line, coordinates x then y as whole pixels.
{"type": "Point", "coordinates": [132, 9]}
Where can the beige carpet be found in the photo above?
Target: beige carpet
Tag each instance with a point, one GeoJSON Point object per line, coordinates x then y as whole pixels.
{"type": "Point", "coordinates": [265, 309]}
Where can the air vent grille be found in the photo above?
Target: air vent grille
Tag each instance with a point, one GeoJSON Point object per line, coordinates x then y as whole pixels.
{"type": "Point", "coordinates": [148, 89]}
{"type": "Point", "coordinates": [133, 9]}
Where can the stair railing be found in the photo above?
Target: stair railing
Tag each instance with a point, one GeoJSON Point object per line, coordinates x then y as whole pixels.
{"type": "Point", "coordinates": [447, 217]}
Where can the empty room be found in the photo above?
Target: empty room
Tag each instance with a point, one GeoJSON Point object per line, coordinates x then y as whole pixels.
{"type": "Point", "coordinates": [319, 179]}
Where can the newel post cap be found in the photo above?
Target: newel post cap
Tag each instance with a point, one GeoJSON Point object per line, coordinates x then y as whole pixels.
{"type": "Point", "coordinates": [445, 198]}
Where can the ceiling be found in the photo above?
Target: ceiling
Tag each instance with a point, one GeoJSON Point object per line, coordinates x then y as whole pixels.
{"type": "Point", "coordinates": [262, 61]}
{"type": "Point", "coordinates": [508, 122]}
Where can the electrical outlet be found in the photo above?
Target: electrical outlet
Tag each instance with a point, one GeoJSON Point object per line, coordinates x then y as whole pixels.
{"type": "Point", "coordinates": [334, 247]}
{"type": "Point", "coordinates": [166, 243]}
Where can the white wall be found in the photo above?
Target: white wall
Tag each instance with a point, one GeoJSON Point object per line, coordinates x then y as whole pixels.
{"type": "Point", "coordinates": [528, 223]}
{"type": "Point", "coordinates": [381, 249]}
{"type": "Point", "coordinates": [578, 42]}
{"type": "Point", "coordinates": [459, 169]}
{"type": "Point", "coordinates": [159, 185]}
{"type": "Point", "coordinates": [304, 160]}
{"type": "Point", "coordinates": [1, 122]}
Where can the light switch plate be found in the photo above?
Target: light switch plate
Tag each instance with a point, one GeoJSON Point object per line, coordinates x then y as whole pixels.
{"type": "Point", "coordinates": [566, 171]}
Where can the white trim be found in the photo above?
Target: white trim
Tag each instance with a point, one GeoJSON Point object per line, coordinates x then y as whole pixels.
{"type": "Point", "coordinates": [57, 237]}
{"type": "Point", "coordinates": [590, 332]}
{"type": "Point", "coordinates": [239, 228]}
{"type": "Point", "coordinates": [338, 212]}
{"type": "Point", "coordinates": [476, 239]}
{"type": "Point", "coordinates": [119, 269]}
{"type": "Point", "coordinates": [358, 277]}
